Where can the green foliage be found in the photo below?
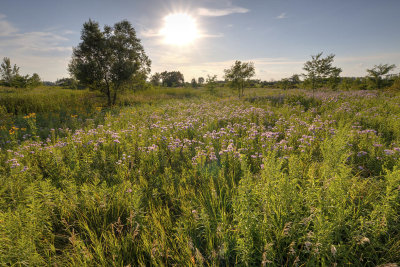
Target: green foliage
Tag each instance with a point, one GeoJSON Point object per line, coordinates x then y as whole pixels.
{"type": "Point", "coordinates": [11, 77]}
{"type": "Point", "coordinates": [67, 83]}
{"type": "Point", "coordinates": [200, 80]}
{"type": "Point", "coordinates": [377, 73]}
{"type": "Point", "coordinates": [47, 100]}
{"type": "Point", "coordinates": [184, 179]}
{"type": "Point", "coordinates": [109, 60]}
{"type": "Point", "coordinates": [211, 83]}
{"type": "Point", "coordinates": [347, 84]}
{"type": "Point", "coordinates": [155, 79]}
{"type": "Point", "coordinates": [320, 72]}
{"type": "Point", "coordinates": [8, 73]}
{"type": "Point", "coordinates": [34, 81]}
{"type": "Point", "coordinates": [289, 83]}
{"type": "Point", "coordinates": [334, 79]}
{"type": "Point", "coordinates": [396, 83]}
{"type": "Point", "coordinates": [138, 82]}
{"type": "Point", "coordinates": [294, 81]}
{"type": "Point", "coordinates": [284, 84]}
{"type": "Point", "coordinates": [239, 74]}
{"type": "Point", "coordinates": [172, 78]}
{"type": "Point", "coordinates": [193, 83]}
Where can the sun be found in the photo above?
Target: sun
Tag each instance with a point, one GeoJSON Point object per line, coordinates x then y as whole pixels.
{"type": "Point", "coordinates": [179, 29]}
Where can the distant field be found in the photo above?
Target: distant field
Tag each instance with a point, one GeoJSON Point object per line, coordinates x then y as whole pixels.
{"type": "Point", "coordinates": [46, 99]}
{"type": "Point", "coordinates": [182, 177]}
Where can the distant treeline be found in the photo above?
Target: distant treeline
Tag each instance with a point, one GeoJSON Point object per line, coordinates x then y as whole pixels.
{"type": "Point", "coordinates": [343, 83]}
{"type": "Point", "coordinates": [319, 74]}
{"type": "Point", "coordinates": [377, 78]}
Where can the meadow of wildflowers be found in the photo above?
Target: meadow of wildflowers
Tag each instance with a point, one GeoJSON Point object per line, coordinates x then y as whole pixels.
{"type": "Point", "coordinates": [279, 180]}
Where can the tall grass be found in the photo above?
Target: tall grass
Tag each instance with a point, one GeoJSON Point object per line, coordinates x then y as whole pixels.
{"type": "Point", "coordinates": [21, 101]}
{"type": "Point", "coordinates": [194, 180]}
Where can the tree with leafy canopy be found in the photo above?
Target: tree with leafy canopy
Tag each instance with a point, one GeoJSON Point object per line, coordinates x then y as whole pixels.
{"type": "Point", "coordinates": [193, 83]}
{"type": "Point", "coordinates": [319, 70]}
{"type": "Point", "coordinates": [294, 80]}
{"type": "Point", "coordinates": [34, 81]}
{"type": "Point", "coordinates": [155, 79]}
{"type": "Point", "coordinates": [11, 77]}
{"type": "Point", "coordinates": [172, 78]}
{"type": "Point", "coordinates": [200, 80]}
{"type": "Point", "coordinates": [109, 60]}
{"type": "Point", "coordinates": [211, 83]}
{"type": "Point", "coordinates": [139, 82]}
{"type": "Point", "coordinates": [8, 73]}
{"type": "Point", "coordinates": [239, 74]}
{"type": "Point", "coordinates": [377, 72]}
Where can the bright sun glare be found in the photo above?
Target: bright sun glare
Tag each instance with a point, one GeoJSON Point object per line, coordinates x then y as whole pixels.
{"type": "Point", "coordinates": [179, 29]}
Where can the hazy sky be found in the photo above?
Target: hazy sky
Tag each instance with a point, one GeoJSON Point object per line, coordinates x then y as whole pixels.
{"type": "Point", "coordinates": [277, 35]}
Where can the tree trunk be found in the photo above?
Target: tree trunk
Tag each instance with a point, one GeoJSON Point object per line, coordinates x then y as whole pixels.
{"type": "Point", "coordinates": [313, 84]}
{"type": "Point", "coordinates": [108, 92]}
{"type": "Point", "coordinates": [108, 97]}
{"type": "Point", "coordinates": [114, 97]}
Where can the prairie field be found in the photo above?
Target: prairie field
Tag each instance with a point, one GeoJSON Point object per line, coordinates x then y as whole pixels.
{"type": "Point", "coordinates": [182, 177]}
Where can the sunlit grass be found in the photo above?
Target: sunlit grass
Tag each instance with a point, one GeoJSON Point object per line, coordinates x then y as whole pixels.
{"type": "Point", "coordinates": [182, 177]}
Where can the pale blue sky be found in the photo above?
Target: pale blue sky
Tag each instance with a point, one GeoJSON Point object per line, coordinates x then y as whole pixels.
{"type": "Point", "coordinates": [277, 35]}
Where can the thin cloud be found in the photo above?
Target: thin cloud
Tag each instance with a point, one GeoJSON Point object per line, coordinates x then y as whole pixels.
{"type": "Point", "coordinates": [148, 33]}
{"type": "Point", "coordinates": [276, 61]}
{"type": "Point", "coordinates": [282, 16]}
{"type": "Point", "coordinates": [5, 27]}
{"type": "Point", "coordinates": [34, 41]}
{"type": "Point", "coordinates": [37, 50]}
{"type": "Point", "coordinates": [208, 12]}
{"type": "Point", "coordinates": [392, 57]}
{"type": "Point", "coordinates": [70, 32]}
{"type": "Point", "coordinates": [13, 40]}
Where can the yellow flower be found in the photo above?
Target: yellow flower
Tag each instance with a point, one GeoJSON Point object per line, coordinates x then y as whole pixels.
{"type": "Point", "coordinates": [30, 115]}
